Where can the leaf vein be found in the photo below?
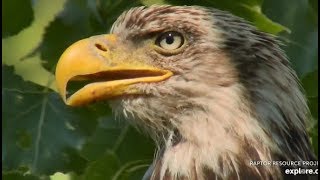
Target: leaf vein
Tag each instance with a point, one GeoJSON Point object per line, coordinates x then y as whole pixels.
{"type": "Point", "coordinates": [39, 132]}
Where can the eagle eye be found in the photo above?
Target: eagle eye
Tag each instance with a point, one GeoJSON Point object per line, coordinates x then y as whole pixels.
{"type": "Point", "coordinates": [170, 40]}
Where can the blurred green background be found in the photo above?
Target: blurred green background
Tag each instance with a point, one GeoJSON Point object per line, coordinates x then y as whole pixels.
{"type": "Point", "coordinates": [42, 138]}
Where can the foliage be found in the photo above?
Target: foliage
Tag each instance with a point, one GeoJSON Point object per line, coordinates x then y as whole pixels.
{"type": "Point", "coordinates": [43, 138]}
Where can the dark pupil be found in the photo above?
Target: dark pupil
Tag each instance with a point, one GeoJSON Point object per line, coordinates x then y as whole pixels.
{"type": "Point", "coordinates": [169, 39]}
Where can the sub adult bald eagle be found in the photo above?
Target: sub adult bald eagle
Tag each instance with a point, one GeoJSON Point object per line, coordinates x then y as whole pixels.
{"type": "Point", "coordinates": [213, 92]}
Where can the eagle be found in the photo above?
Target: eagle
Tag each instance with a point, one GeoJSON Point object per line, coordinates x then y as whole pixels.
{"type": "Point", "coordinates": [217, 95]}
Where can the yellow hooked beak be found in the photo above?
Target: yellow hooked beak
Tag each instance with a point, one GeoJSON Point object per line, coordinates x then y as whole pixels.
{"type": "Point", "coordinates": [110, 70]}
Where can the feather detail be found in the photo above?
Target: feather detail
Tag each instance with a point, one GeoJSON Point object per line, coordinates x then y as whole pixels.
{"type": "Point", "coordinates": [233, 97]}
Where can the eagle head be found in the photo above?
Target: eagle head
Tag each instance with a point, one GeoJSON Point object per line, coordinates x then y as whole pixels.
{"type": "Point", "coordinates": [213, 92]}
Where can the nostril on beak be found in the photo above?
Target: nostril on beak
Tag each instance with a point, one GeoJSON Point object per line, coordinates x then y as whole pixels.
{"type": "Point", "coordinates": [101, 47]}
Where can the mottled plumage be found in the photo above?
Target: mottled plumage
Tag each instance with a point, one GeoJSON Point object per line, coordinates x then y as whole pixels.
{"type": "Point", "coordinates": [213, 91]}
{"type": "Point", "coordinates": [233, 98]}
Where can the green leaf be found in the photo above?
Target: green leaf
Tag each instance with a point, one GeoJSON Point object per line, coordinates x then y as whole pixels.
{"type": "Point", "coordinates": [39, 131]}
{"type": "Point", "coordinates": [313, 125]}
{"type": "Point", "coordinates": [16, 175]}
{"type": "Point", "coordinates": [19, 46]}
{"type": "Point", "coordinates": [313, 105]}
{"type": "Point", "coordinates": [103, 168]}
{"type": "Point", "coordinates": [251, 11]}
{"type": "Point", "coordinates": [45, 136]}
{"type": "Point", "coordinates": [107, 11]}
{"type": "Point", "coordinates": [302, 44]}
{"type": "Point", "coordinates": [74, 23]}
{"type": "Point", "coordinates": [152, 2]}
{"type": "Point", "coordinates": [310, 83]}
{"type": "Point", "coordinates": [11, 22]}
{"type": "Point", "coordinates": [79, 19]}
{"type": "Point", "coordinates": [117, 137]}
{"type": "Point", "coordinates": [28, 39]}
{"type": "Point", "coordinates": [260, 20]}
{"type": "Point", "coordinates": [132, 170]}
{"type": "Point", "coordinates": [314, 5]}
{"type": "Point", "coordinates": [95, 146]}
{"type": "Point", "coordinates": [62, 176]}
{"type": "Point", "coordinates": [31, 69]}
{"type": "Point", "coordinates": [133, 151]}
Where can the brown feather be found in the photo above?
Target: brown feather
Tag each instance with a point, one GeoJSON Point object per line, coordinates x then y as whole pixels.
{"type": "Point", "coordinates": [233, 98]}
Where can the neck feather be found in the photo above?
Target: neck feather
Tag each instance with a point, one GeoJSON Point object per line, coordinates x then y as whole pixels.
{"type": "Point", "coordinates": [217, 140]}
